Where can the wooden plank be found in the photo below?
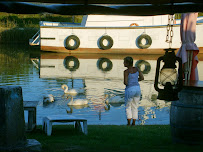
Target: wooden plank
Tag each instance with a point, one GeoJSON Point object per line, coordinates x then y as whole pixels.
{"type": "Point", "coordinates": [30, 104]}
{"type": "Point", "coordinates": [109, 1]}
{"type": "Point", "coordinates": [141, 10]}
{"type": "Point", "coordinates": [138, 10]}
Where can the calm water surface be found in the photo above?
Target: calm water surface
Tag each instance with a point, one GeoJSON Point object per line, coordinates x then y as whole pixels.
{"type": "Point", "coordinates": [96, 78]}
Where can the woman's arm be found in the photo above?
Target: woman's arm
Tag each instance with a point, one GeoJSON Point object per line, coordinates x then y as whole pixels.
{"type": "Point", "coordinates": [141, 76]}
{"type": "Point", "coordinates": [126, 77]}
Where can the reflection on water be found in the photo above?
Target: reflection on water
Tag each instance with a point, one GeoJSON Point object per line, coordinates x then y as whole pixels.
{"type": "Point", "coordinates": [96, 78]}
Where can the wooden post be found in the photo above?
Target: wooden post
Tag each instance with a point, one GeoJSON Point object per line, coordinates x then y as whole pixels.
{"type": "Point", "coordinates": [12, 128]}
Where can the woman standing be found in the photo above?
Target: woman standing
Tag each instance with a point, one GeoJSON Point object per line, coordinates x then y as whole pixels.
{"type": "Point", "coordinates": [132, 91]}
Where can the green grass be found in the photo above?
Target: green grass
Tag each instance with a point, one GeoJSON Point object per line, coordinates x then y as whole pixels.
{"type": "Point", "coordinates": [13, 26]}
{"type": "Point", "coordinates": [16, 35]}
{"type": "Point", "coordinates": [110, 138]}
{"type": "Point", "coordinates": [10, 20]}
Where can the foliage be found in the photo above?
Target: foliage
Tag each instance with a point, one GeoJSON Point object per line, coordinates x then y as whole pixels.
{"type": "Point", "coordinates": [13, 26]}
{"type": "Point", "coordinates": [110, 138]}
{"type": "Point", "coordinates": [14, 35]}
{"type": "Point", "coordinates": [9, 20]}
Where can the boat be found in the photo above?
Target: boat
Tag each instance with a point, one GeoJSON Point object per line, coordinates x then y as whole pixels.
{"type": "Point", "coordinates": [112, 34]}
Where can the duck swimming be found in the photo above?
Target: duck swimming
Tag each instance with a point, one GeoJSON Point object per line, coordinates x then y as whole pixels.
{"type": "Point", "coordinates": [48, 98]}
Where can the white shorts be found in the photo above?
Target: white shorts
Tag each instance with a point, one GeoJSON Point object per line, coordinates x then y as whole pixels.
{"type": "Point", "coordinates": [132, 98]}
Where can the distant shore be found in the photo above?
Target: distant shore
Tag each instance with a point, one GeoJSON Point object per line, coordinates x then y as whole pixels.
{"type": "Point", "coordinates": [16, 35]}
{"type": "Point", "coordinates": [19, 28]}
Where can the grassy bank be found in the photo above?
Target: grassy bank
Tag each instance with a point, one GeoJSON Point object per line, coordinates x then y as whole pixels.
{"type": "Point", "coordinates": [152, 138]}
{"type": "Point", "coordinates": [16, 35]}
{"type": "Point", "coordinates": [19, 28]}
{"type": "Point", "coordinates": [9, 20]}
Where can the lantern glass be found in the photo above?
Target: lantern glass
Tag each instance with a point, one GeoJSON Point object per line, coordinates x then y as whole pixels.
{"type": "Point", "coordinates": [168, 80]}
{"type": "Point", "coordinates": [168, 75]}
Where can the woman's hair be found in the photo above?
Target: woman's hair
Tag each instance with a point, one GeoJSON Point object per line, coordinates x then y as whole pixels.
{"type": "Point", "coordinates": [128, 60]}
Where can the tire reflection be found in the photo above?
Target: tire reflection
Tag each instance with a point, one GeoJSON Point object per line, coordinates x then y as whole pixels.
{"type": "Point", "coordinates": [104, 64]}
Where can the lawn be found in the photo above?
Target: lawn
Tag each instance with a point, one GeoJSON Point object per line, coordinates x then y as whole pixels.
{"type": "Point", "coordinates": [110, 138]}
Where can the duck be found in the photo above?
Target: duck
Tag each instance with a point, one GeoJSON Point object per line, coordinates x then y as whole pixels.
{"type": "Point", "coordinates": [77, 102]}
{"type": "Point", "coordinates": [71, 91]}
{"type": "Point", "coordinates": [48, 98]}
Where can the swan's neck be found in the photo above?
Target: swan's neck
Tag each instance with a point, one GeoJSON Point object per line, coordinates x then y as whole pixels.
{"type": "Point", "coordinates": [65, 88]}
{"type": "Point", "coordinates": [107, 101]}
{"type": "Point", "coordinates": [71, 99]}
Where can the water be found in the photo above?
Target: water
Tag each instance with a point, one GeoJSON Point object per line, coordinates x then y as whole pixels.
{"type": "Point", "coordinates": [96, 77]}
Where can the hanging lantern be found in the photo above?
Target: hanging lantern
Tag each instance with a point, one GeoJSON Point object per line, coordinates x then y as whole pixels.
{"type": "Point", "coordinates": [168, 80]}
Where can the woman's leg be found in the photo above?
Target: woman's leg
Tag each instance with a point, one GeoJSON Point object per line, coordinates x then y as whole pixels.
{"type": "Point", "coordinates": [128, 112]}
{"type": "Point", "coordinates": [129, 122]}
{"type": "Point", "coordinates": [133, 123]}
{"type": "Point", "coordinates": [134, 106]}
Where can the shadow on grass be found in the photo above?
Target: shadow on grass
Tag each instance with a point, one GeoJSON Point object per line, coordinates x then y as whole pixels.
{"type": "Point", "coordinates": [110, 138]}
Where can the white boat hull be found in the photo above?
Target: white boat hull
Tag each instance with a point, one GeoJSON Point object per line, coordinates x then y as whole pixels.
{"type": "Point", "coordinates": [124, 38]}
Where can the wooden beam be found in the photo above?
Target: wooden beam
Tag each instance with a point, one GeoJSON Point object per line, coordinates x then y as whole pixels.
{"type": "Point", "coordinates": [77, 9]}
{"type": "Point", "coordinates": [109, 1]}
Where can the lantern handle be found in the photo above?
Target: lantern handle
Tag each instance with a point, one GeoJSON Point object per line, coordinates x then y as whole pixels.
{"type": "Point", "coordinates": [157, 74]}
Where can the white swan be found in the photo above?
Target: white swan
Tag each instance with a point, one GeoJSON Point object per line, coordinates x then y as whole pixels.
{"type": "Point", "coordinates": [48, 98]}
{"type": "Point", "coordinates": [71, 91]}
{"type": "Point", "coordinates": [77, 102]}
{"type": "Point", "coordinates": [76, 107]}
{"type": "Point", "coordinates": [115, 99]}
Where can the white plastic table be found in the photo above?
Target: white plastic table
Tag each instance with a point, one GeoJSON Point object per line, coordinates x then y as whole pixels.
{"type": "Point", "coordinates": [31, 107]}
{"type": "Point", "coordinates": [49, 120]}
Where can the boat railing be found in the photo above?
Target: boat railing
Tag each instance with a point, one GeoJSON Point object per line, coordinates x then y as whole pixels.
{"type": "Point", "coordinates": [35, 40]}
{"type": "Point", "coordinates": [60, 24]}
{"type": "Point", "coordinates": [35, 63]}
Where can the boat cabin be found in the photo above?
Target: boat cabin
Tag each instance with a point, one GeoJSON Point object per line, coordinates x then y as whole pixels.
{"type": "Point", "coordinates": [113, 21]}
{"type": "Point", "coordinates": [120, 20]}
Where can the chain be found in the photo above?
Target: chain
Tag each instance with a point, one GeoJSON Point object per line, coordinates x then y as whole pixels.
{"type": "Point", "coordinates": [169, 35]}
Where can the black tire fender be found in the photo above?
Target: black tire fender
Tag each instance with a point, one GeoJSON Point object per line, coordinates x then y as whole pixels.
{"type": "Point", "coordinates": [76, 63]}
{"type": "Point", "coordinates": [68, 45]}
{"type": "Point", "coordinates": [109, 45]}
{"type": "Point", "coordinates": [147, 66]}
{"type": "Point", "coordinates": [148, 41]}
{"type": "Point", "coordinates": [100, 63]}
